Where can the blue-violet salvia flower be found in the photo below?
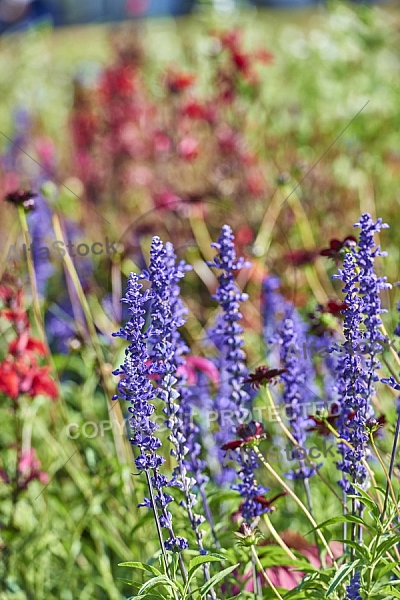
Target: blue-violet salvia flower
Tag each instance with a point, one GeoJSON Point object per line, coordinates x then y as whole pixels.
{"type": "Point", "coordinates": [168, 314]}
{"type": "Point", "coordinates": [298, 381]}
{"type": "Point", "coordinates": [357, 367]}
{"type": "Point", "coordinates": [143, 358]}
{"type": "Point", "coordinates": [353, 589]}
{"type": "Point", "coordinates": [231, 398]}
{"type": "Point", "coordinates": [227, 333]}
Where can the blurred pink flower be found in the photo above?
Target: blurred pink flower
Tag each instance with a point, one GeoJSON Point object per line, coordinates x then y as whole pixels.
{"type": "Point", "coordinates": [10, 182]}
{"type": "Point", "coordinates": [162, 143]}
{"type": "Point", "coordinates": [137, 7]}
{"type": "Point", "coordinates": [167, 200]}
{"type": "Point", "coordinates": [46, 151]}
{"type": "Point", "coordinates": [29, 469]}
{"type": "Point", "coordinates": [188, 148]}
{"type": "Point", "coordinates": [200, 363]}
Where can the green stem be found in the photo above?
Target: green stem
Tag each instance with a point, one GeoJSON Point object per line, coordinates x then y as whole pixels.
{"type": "Point", "coordinates": [295, 442]}
{"type": "Point", "coordinates": [263, 573]}
{"type": "Point", "coordinates": [158, 527]}
{"type": "Point", "coordinates": [278, 538]}
{"type": "Point", "coordinates": [390, 472]}
{"type": "Point", "coordinates": [32, 277]}
{"type": "Point", "coordinates": [298, 502]}
{"type": "Point", "coordinates": [392, 492]}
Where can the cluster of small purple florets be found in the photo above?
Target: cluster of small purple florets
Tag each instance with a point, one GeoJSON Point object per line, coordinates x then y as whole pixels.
{"type": "Point", "coordinates": [356, 375]}
{"type": "Point", "coordinates": [154, 369]}
{"type": "Point", "coordinates": [353, 589]}
{"type": "Point", "coordinates": [153, 354]}
{"type": "Point", "coordinates": [297, 380]}
{"type": "Point", "coordinates": [232, 396]}
{"type": "Point", "coordinates": [227, 334]}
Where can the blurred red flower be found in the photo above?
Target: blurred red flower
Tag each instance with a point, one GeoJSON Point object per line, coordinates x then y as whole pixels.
{"type": "Point", "coordinates": [178, 81]}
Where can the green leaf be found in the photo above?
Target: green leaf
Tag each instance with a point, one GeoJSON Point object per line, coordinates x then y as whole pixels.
{"type": "Point", "coordinates": [389, 589]}
{"type": "Point", "coordinates": [367, 501]}
{"type": "Point", "coordinates": [361, 550]}
{"type": "Point", "coordinates": [216, 579]}
{"type": "Point", "coordinates": [142, 566]}
{"type": "Point", "coordinates": [197, 561]}
{"type": "Point", "coordinates": [160, 580]}
{"type": "Point", "coordinates": [387, 544]}
{"type": "Point", "coordinates": [129, 582]}
{"type": "Point", "coordinates": [338, 519]}
{"type": "Point", "coordinates": [150, 597]}
{"type": "Point", "coordinates": [341, 574]}
{"type": "Point", "coordinates": [174, 564]}
{"type": "Point", "coordinates": [387, 568]}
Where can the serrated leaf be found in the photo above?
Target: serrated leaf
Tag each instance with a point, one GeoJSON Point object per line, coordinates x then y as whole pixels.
{"type": "Point", "coordinates": [142, 566]}
{"type": "Point", "coordinates": [197, 561]}
{"type": "Point", "coordinates": [341, 574]}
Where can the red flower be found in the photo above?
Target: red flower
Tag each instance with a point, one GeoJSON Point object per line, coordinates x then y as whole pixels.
{"type": "Point", "coordinates": [336, 246]}
{"type": "Point", "coordinates": [265, 503]}
{"type": "Point", "coordinates": [249, 432]}
{"type": "Point", "coordinates": [255, 183]}
{"type": "Point", "coordinates": [18, 377]}
{"type": "Point", "coordinates": [200, 363]}
{"type": "Point", "coordinates": [42, 384]}
{"type": "Point", "coordinates": [334, 307]}
{"type": "Point", "coordinates": [230, 39]}
{"type": "Point", "coordinates": [9, 380]}
{"type": "Point", "coordinates": [179, 81]}
{"type": "Point", "coordinates": [194, 110]}
{"type": "Point", "coordinates": [29, 469]}
{"type": "Point", "coordinates": [22, 198]}
{"type": "Point", "coordinates": [25, 344]}
{"type": "Point", "coordinates": [321, 424]}
{"type": "Point", "coordinates": [19, 371]}
{"type": "Point", "coordinates": [166, 199]}
{"type": "Point", "coordinates": [162, 143]}
{"type": "Point", "coordinates": [262, 375]}
{"type": "Point", "coordinates": [264, 56]}
{"type": "Point", "coordinates": [241, 60]}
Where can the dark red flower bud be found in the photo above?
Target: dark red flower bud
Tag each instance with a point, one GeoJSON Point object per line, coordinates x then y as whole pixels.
{"type": "Point", "coordinates": [249, 431]}
{"type": "Point", "coordinates": [22, 198]}
{"type": "Point", "coordinates": [262, 375]}
{"type": "Point", "coordinates": [336, 246]}
{"type": "Point", "coordinates": [233, 445]}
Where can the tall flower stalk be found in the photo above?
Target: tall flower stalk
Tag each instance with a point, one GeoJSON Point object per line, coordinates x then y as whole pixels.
{"type": "Point", "coordinates": [227, 336]}
{"type": "Point", "coordinates": [358, 365]}
{"type": "Point", "coordinates": [137, 388]}
{"type": "Point", "coordinates": [232, 398]}
{"type": "Point", "coordinates": [168, 314]}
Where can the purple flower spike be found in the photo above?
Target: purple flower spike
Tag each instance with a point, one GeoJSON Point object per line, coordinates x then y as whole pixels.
{"type": "Point", "coordinates": [357, 368]}
{"type": "Point", "coordinates": [153, 352]}
{"type": "Point", "coordinates": [298, 379]}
